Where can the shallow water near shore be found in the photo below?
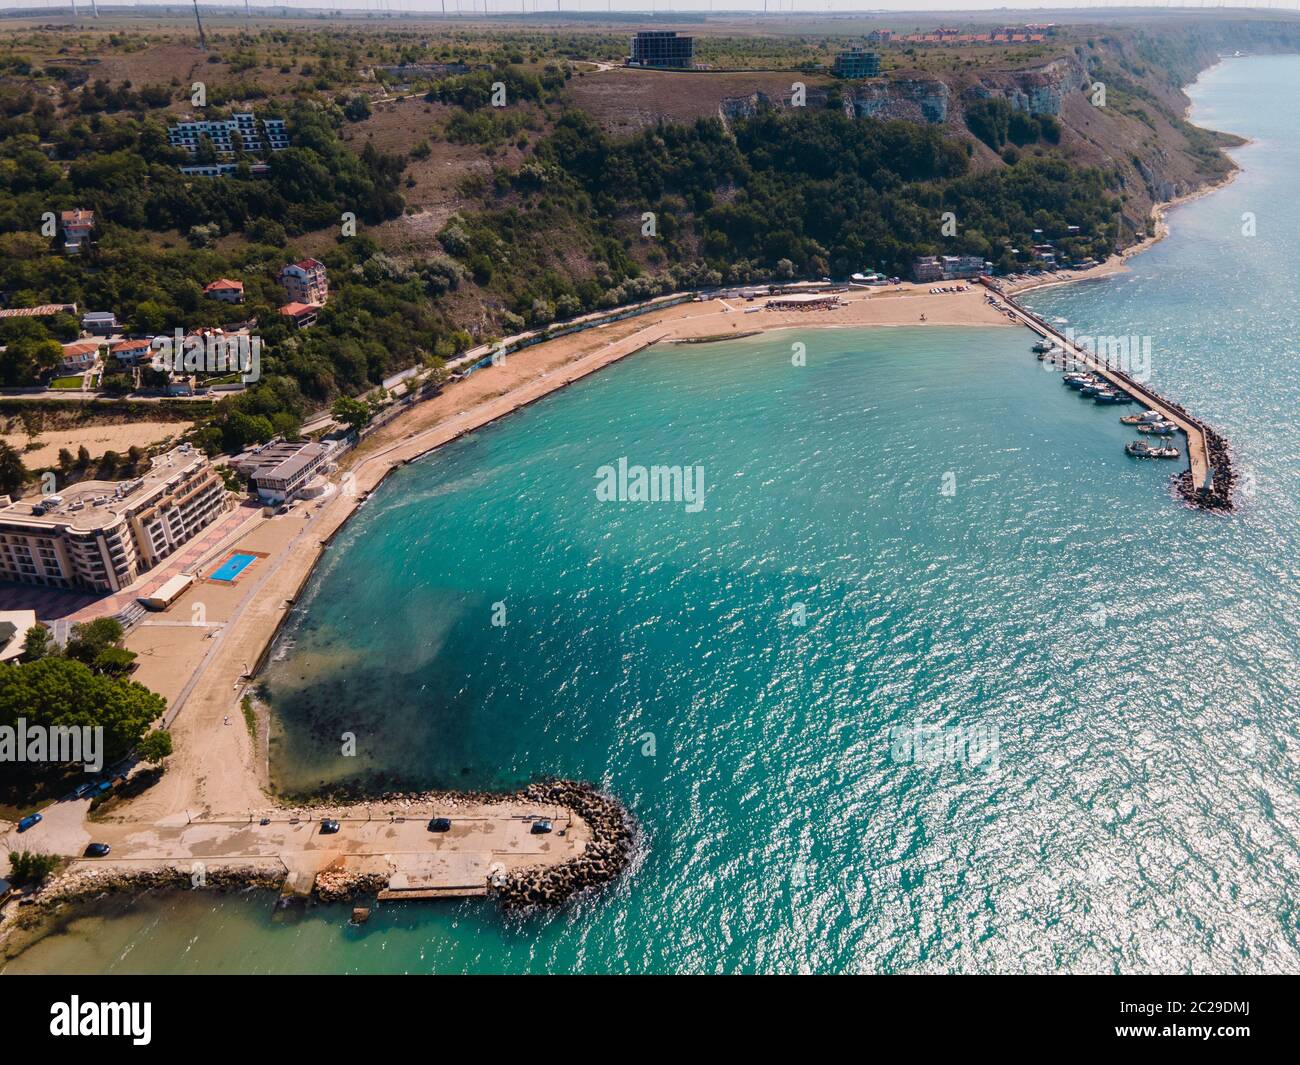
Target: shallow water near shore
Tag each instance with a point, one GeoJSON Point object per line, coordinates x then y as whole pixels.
{"type": "Point", "coordinates": [966, 546]}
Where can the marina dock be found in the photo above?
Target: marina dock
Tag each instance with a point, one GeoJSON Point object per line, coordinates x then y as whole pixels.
{"type": "Point", "coordinates": [1207, 482]}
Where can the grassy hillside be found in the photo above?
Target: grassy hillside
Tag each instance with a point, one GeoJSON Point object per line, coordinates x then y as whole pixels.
{"type": "Point", "coordinates": [475, 220]}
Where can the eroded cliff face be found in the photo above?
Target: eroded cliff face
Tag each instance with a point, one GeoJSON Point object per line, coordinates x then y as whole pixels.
{"type": "Point", "coordinates": [1039, 91]}
{"type": "Point", "coordinates": [914, 99]}
{"type": "Point", "coordinates": [1132, 128]}
{"type": "Point", "coordinates": [926, 98]}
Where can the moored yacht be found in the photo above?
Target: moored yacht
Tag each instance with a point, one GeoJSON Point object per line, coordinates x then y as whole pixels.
{"type": "Point", "coordinates": [1158, 428]}
{"type": "Point", "coordinates": [1140, 449]}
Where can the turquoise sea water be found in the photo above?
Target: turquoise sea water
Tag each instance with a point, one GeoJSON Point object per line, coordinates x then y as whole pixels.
{"type": "Point", "coordinates": [966, 547]}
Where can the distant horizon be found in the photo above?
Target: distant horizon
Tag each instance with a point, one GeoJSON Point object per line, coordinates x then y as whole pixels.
{"type": "Point", "coordinates": [695, 8]}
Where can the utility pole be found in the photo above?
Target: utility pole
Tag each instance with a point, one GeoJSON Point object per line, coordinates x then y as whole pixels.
{"type": "Point", "coordinates": [203, 41]}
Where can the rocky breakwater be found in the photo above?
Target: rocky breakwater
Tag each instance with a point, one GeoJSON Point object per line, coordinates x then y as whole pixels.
{"type": "Point", "coordinates": [81, 884]}
{"type": "Point", "coordinates": [604, 859]}
{"type": "Point", "coordinates": [342, 885]}
{"type": "Point", "coordinates": [1218, 494]}
{"type": "Point", "coordinates": [606, 855]}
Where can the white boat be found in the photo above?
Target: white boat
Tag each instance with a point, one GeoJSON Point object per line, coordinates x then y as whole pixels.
{"type": "Point", "coordinates": [1140, 449]}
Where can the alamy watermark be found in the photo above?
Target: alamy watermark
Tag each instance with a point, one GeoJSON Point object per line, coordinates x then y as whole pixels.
{"type": "Point", "coordinates": [1132, 354]}
{"type": "Point", "coordinates": [625, 483]}
{"type": "Point", "coordinates": [976, 746]}
{"type": "Point", "coordinates": [22, 742]}
{"type": "Point", "coordinates": [208, 353]}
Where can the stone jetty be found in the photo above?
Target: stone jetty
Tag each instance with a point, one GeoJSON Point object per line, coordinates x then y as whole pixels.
{"type": "Point", "coordinates": [605, 857]}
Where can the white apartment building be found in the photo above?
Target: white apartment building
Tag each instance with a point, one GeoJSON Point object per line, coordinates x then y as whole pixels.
{"type": "Point", "coordinates": [101, 535]}
{"type": "Point", "coordinates": [254, 135]}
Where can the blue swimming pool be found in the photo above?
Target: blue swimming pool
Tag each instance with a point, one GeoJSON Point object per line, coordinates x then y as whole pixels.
{"type": "Point", "coordinates": [232, 567]}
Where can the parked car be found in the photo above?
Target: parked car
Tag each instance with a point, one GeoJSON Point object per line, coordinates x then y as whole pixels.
{"type": "Point", "coordinates": [329, 826]}
{"type": "Point", "coordinates": [28, 821]}
{"type": "Point", "coordinates": [540, 826]}
{"type": "Point", "coordinates": [440, 824]}
{"type": "Point", "coordinates": [98, 850]}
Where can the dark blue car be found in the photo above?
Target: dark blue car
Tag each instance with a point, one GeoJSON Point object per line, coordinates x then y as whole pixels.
{"type": "Point", "coordinates": [28, 821]}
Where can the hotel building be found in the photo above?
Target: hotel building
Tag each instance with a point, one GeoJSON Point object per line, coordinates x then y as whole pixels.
{"type": "Point", "coordinates": [280, 470]}
{"type": "Point", "coordinates": [305, 282]}
{"type": "Point", "coordinates": [254, 136]}
{"type": "Point", "coordinates": [101, 535]}
{"type": "Point", "coordinates": [857, 64]}
{"type": "Point", "coordinates": [662, 48]}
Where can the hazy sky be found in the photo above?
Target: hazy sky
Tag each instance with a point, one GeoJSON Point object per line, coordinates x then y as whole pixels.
{"type": "Point", "coordinates": [810, 6]}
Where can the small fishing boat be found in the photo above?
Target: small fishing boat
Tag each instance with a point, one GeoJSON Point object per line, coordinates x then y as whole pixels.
{"type": "Point", "coordinates": [1113, 395]}
{"type": "Point", "coordinates": [1042, 346]}
{"type": "Point", "coordinates": [1158, 428]}
{"type": "Point", "coordinates": [1145, 416]}
{"type": "Point", "coordinates": [1096, 388]}
{"type": "Point", "coordinates": [1140, 449]}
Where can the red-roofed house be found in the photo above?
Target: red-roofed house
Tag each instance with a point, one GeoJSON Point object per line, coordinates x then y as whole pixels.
{"type": "Point", "coordinates": [131, 351]}
{"type": "Point", "coordinates": [305, 282]}
{"type": "Point", "coordinates": [303, 314]}
{"type": "Point", "coordinates": [225, 290]}
{"type": "Point", "coordinates": [79, 357]}
{"type": "Point", "coordinates": [77, 225]}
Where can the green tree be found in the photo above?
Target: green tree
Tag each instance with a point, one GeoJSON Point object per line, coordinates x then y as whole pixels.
{"type": "Point", "coordinates": [150, 318]}
{"type": "Point", "coordinates": [30, 868]}
{"type": "Point", "coordinates": [13, 474]}
{"type": "Point", "coordinates": [155, 746]}
{"type": "Point", "coordinates": [351, 412]}
{"type": "Point", "coordinates": [115, 661]}
{"type": "Point", "coordinates": [90, 638]}
{"type": "Point", "coordinates": [36, 644]}
{"type": "Point", "coordinates": [62, 691]}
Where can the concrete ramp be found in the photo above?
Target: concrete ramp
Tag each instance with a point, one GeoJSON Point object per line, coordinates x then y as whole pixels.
{"type": "Point", "coordinates": [453, 874]}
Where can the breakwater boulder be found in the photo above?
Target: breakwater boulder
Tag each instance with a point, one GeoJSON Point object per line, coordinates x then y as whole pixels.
{"type": "Point", "coordinates": [82, 884]}
{"type": "Point", "coordinates": [604, 859]}
{"type": "Point", "coordinates": [1218, 496]}
{"type": "Point", "coordinates": [341, 885]}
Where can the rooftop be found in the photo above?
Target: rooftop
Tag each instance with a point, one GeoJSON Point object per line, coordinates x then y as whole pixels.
{"type": "Point", "coordinates": [42, 311]}
{"type": "Point", "coordinates": [279, 459]}
{"type": "Point", "coordinates": [89, 505]}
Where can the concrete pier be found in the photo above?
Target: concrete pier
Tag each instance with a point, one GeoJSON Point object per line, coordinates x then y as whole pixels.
{"type": "Point", "coordinates": [1202, 466]}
